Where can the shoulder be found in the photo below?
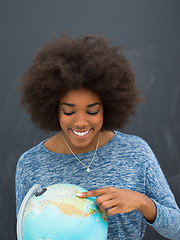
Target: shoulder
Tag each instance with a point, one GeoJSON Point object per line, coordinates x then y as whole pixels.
{"type": "Point", "coordinates": [29, 156]}
{"type": "Point", "coordinates": [133, 144]}
{"type": "Point", "coordinates": [130, 140]}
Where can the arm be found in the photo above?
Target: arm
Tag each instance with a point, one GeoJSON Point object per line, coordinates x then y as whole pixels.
{"type": "Point", "coordinates": [167, 221]}
{"type": "Point", "coordinates": [158, 205]}
{"type": "Point", "coordinates": [164, 219]}
{"type": "Point", "coordinates": [22, 184]}
{"type": "Point", "coordinates": [19, 186]}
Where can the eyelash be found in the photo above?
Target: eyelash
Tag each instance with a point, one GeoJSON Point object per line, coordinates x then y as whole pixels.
{"type": "Point", "coordinates": [68, 113]}
{"type": "Point", "coordinates": [71, 113]}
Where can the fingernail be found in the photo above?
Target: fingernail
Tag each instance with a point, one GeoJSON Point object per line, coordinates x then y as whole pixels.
{"type": "Point", "coordinates": [79, 194]}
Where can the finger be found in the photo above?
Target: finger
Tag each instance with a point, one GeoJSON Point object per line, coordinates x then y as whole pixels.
{"type": "Point", "coordinates": [103, 198]}
{"type": "Point", "coordinates": [92, 193]}
{"type": "Point", "coordinates": [113, 210]}
{"type": "Point", "coordinates": [119, 209]}
{"type": "Point", "coordinates": [108, 204]}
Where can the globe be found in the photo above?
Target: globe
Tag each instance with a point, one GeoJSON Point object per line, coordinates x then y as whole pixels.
{"type": "Point", "coordinates": [56, 213]}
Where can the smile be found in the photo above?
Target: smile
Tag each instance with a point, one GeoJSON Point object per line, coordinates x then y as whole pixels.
{"type": "Point", "coordinates": [81, 134]}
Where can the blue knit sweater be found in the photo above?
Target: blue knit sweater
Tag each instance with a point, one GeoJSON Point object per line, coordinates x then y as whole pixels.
{"type": "Point", "coordinates": [125, 162]}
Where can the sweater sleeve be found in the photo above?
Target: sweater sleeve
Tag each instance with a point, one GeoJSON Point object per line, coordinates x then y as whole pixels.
{"type": "Point", "coordinates": [167, 222]}
{"type": "Point", "coordinates": [22, 184]}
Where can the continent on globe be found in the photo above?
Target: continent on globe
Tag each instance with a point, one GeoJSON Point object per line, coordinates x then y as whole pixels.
{"type": "Point", "coordinates": [57, 213]}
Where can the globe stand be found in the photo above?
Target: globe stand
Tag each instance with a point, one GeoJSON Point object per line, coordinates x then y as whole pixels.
{"type": "Point", "coordinates": [35, 189]}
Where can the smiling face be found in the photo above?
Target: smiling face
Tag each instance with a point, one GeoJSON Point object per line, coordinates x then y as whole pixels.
{"type": "Point", "coordinates": [81, 119]}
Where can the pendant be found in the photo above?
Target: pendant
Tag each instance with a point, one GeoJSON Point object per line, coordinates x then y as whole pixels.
{"type": "Point", "coordinates": [88, 169]}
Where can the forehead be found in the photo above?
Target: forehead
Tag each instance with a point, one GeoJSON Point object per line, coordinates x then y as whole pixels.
{"type": "Point", "coordinates": [81, 96]}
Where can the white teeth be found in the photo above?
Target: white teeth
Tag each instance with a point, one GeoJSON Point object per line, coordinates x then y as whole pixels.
{"type": "Point", "coordinates": [80, 133]}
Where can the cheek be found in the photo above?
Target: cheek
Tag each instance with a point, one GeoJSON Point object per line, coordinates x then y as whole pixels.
{"type": "Point", "coordinates": [99, 120]}
{"type": "Point", "coordinates": [62, 120]}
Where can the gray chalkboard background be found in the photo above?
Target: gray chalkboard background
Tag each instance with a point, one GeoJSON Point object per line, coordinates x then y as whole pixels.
{"type": "Point", "coordinates": [150, 34]}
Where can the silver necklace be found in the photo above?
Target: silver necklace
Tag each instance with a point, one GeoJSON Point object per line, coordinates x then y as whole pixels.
{"type": "Point", "coordinates": [87, 166]}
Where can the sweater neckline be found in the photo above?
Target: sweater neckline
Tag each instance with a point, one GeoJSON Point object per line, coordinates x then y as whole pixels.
{"type": "Point", "coordinates": [107, 145]}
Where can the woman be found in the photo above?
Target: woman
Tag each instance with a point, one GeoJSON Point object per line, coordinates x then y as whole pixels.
{"type": "Point", "coordinates": [84, 89]}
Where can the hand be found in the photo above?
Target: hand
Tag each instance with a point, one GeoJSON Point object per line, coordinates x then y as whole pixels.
{"type": "Point", "coordinates": [115, 200]}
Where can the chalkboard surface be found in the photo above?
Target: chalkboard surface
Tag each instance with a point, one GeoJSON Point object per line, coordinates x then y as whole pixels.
{"type": "Point", "coordinates": [150, 34]}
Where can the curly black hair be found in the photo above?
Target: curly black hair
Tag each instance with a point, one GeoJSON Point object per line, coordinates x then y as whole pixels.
{"type": "Point", "coordinates": [67, 63]}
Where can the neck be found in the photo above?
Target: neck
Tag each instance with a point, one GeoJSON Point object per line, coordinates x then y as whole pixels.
{"type": "Point", "coordinates": [70, 149]}
{"type": "Point", "coordinates": [56, 143]}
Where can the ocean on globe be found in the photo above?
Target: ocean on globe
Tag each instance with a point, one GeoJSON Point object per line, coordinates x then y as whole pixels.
{"type": "Point", "coordinates": [57, 213]}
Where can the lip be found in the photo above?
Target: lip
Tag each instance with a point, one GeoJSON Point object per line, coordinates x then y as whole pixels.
{"type": "Point", "coordinates": [83, 136]}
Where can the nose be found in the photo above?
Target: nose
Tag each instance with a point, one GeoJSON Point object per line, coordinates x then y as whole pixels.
{"type": "Point", "coordinates": [81, 121]}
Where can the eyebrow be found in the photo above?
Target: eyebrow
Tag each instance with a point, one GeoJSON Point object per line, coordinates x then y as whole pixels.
{"type": "Point", "coordinates": [68, 104]}
{"type": "Point", "coordinates": [73, 105]}
{"type": "Point", "coordinates": [93, 104]}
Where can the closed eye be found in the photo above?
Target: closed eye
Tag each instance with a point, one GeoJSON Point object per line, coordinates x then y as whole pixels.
{"type": "Point", "coordinates": [68, 113]}
{"type": "Point", "coordinates": [90, 113]}
{"type": "Point", "coordinates": [93, 113]}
